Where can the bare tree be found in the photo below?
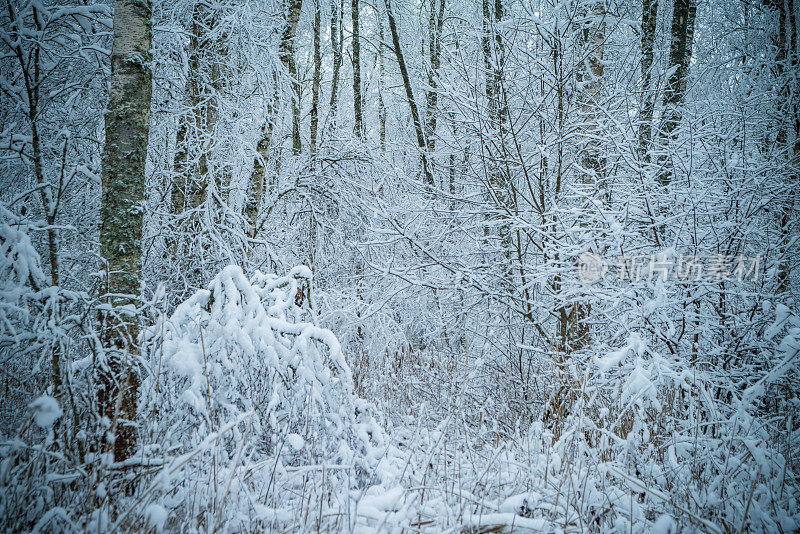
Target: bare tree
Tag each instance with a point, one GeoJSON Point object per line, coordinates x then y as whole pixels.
{"type": "Point", "coordinates": [786, 69]}
{"type": "Point", "coordinates": [589, 74]}
{"type": "Point", "coordinates": [398, 51]}
{"type": "Point", "coordinates": [498, 182]}
{"type": "Point", "coordinates": [263, 148]}
{"type": "Point", "coordinates": [191, 161]}
{"type": "Point", "coordinates": [266, 141]}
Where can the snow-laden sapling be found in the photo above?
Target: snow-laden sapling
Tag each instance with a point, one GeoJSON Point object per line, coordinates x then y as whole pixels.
{"type": "Point", "coordinates": [244, 387]}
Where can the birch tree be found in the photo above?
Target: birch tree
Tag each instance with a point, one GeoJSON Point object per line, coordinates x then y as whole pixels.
{"type": "Point", "coordinates": [435, 22]}
{"type": "Point", "coordinates": [293, 8]}
{"type": "Point", "coordinates": [127, 127]}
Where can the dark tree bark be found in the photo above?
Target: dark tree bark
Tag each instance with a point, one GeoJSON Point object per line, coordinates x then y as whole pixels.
{"type": "Point", "coordinates": [649, 17]}
{"type": "Point", "coordinates": [127, 128]}
{"type": "Point", "coordinates": [793, 65]}
{"type": "Point", "coordinates": [486, 47]}
{"type": "Point", "coordinates": [498, 185]}
{"type": "Point", "coordinates": [786, 67]}
{"type": "Point", "coordinates": [27, 54]}
{"type": "Point", "coordinates": [680, 55]}
{"type": "Point", "coordinates": [502, 111]}
{"type": "Point", "coordinates": [189, 186]}
{"type": "Point", "coordinates": [286, 53]}
{"type": "Point", "coordinates": [590, 77]}
{"type": "Point", "coordinates": [357, 107]}
{"type": "Point", "coordinates": [574, 328]}
{"type": "Point", "coordinates": [315, 85]}
{"type": "Point", "coordinates": [336, 44]}
{"type": "Point", "coordinates": [398, 51]}
{"type": "Point", "coordinates": [493, 52]}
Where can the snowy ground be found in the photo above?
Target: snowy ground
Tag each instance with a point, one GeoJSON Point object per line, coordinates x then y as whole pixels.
{"type": "Point", "coordinates": [251, 419]}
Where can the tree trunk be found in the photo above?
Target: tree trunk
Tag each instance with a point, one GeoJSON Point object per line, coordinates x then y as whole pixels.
{"type": "Point", "coordinates": [264, 145]}
{"type": "Point", "coordinates": [680, 55]}
{"type": "Point", "coordinates": [257, 178]}
{"type": "Point", "coordinates": [127, 127]}
{"type": "Point", "coordinates": [592, 35]}
{"type": "Point", "coordinates": [786, 62]}
{"type": "Point", "coordinates": [486, 47]}
{"type": "Point", "coordinates": [492, 15]}
{"type": "Point", "coordinates": [189, 184]}
{"type": "Point", "coordinates": [336, 44]}
{"type": "Point", "coordinates": [287, 57]}
{"type": "Point", "coordinates": [499, 188]}
{"type": "Point", "coordinates": [315, 85]}
{"type": "Point", "coordinates": [649, 17]}
{"type": "Point", "coordinates": [795, 105]}
{"type": "Point", "coordinates": [357, 108]}
{"type": "Point", "coordinates": [793, 60]}
{"type": "Point", "coordinates": [50, 203]}
{"type": "Point", "coordinates": [502, 111]}
{"type": "Point", "coordinates": [381, 85]}
{"type": "Point", "coordinates": [30, 62]}
{"type": "Point", "coordinates": [590, 78]}
{"type": "Point", "coordinates": [410, 97]}
{"type": "Point", "coordinates": [435, 21]}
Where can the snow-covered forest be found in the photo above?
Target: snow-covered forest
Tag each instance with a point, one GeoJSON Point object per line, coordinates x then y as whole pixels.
{"type": "Point", "coordinates": [460, 266]}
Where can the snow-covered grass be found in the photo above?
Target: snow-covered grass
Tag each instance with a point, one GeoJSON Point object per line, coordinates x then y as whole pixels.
{"type": "Point", "coordinates": [667, 470]}
{"type": "Point", "coordinates": [253, 418]}
{"type": "Point", "coordinates": [435, 475]}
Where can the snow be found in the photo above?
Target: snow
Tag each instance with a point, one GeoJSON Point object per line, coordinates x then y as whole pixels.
{"type": "Point", "coordinates": [664, 525]}
{"type": "Point", "coordinates": [341, 348]}
{"type": "Point", "coordinates": [638, 386]}
{"type": "Point", "coordinates": [156, 516]}
{"type": "Point", "coordinates": [508, 522]}
{"type": "Point", "coordinates": [519, 504]}
{"type": "Point", "coordinates": [634, 345]}
{"type": "Point", "coordinates": [295, 441]}
{"type": "Point", "coordinates": [46, 411]}
{"type": "Point", "coordinates": [782, 316]}
{"type": "Point", "coordinates": [386, 501]}
{"type": "Point", "coordinates": [242, 347]}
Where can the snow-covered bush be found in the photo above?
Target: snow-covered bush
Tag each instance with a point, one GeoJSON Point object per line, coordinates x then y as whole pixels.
{"type": "Point", "coordinates": [649, 432]}
{"type": "Point", "coordinates": [44, 435]}
{"type": "Point", "coordinates": [21, 279]}
{"type": "Point", "coordinates": [250, 398]}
